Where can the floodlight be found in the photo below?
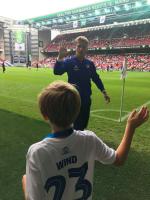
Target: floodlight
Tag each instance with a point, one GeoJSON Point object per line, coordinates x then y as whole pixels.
{"type": "Point", "coordinates": [148, 1]}
{"type": "Point", "coordinates": [116, 8]}
{"type": "Point", "coordinates": [81, 16]}
{"type": "Point", "coordinates": [38, 24]}
{"type": "Point", "coordinates": [127, 7]}
{"type": "Point", "coordinates": [61, 20]}
{"type": "Point", "coordinates": [49, 22]}
{"type": "Point", "coordinates": [43, 23]}
{"type": "Point", "coordinates": [67, 18]}
{"type": "Point", "coordinates": [106, 10]}
{"type": "Point", "coordinates": [138, 4]}
{"type": "Point", "coordinates": [97, 12]}
{"type": "Point", "coordinates": [54, 21]}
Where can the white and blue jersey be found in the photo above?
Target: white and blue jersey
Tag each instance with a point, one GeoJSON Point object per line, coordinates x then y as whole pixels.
{"type": "Point", "coordinates": [80, 73]}
{"type": "Point", "coordinates": [62, 168]}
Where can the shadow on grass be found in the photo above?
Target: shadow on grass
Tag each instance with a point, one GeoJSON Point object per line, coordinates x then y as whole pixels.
{"type": "Point", "coordinates": [17, 133]}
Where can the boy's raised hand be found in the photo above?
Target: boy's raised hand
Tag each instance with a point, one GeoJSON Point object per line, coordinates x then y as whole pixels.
{"type": "Point", "coordinates": [136, 119]}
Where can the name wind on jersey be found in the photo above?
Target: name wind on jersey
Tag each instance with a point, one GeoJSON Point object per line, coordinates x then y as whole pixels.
{"type": "Point", "coordinates": [67, 161]}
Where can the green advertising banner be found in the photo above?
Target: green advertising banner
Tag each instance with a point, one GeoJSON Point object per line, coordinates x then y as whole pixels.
{"type": "Point", "coordinates": [19, 38]}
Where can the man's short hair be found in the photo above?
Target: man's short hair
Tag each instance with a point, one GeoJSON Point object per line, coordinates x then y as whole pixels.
{"type": "Point", "coordinates": [82, 39]}
{"type": "Point", "coordinates": [60, 103]}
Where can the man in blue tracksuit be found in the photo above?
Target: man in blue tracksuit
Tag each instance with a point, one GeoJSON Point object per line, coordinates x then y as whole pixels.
{"type": "Point", "coordinates": [80, 72]}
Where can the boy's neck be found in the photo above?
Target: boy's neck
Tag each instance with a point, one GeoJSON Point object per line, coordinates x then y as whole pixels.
{"type": "Point", "coordinates": [56, 129]}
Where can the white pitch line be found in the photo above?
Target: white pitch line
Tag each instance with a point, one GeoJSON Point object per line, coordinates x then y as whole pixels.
{"type": "Point", "coordinates": [116, 120]}
{"type": "Point", "coordinates": [104, 110]}
{"type": "Point", "coordinates": [102, 117]}
{"type": "Point", "coordinates": [125, 116]}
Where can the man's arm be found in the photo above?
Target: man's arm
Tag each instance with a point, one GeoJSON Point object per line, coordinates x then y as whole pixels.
{"type": "Point", "coordinates": [60, 68]}
{"type": "Point", "coordinates": [96, 79]}
{"type": "Point", "coordinates": [135, 120]}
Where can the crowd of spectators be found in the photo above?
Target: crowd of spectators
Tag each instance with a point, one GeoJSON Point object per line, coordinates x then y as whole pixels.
{"type": "Point", "coordinates": [132, 36]}
{"type": "Point", "coordinates": [114, 43]}
{"type": "Point", "coordinates": [139, 62]}
{"type": "Point", "coordinates": [110, 62]}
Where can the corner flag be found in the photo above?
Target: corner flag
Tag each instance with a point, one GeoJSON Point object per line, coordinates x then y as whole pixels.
{"type": "Point", "coordinates": [123, 76]}
{"type": "Point", "coordinates": [124, 69]}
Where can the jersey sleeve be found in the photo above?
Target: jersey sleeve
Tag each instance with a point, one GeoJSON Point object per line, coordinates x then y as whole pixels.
{"type": "Point", "coordinates": [103, 153]}
{"type": "Point", "coordinates": [34, 187]}
{"type": "Point", "coordinates": [95, 77]}
{"type": "Point", "coordinates": [61, 67]}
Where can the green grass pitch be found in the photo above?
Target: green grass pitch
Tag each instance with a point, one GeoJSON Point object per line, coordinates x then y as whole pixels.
{"type": "Point", "coordinates": [21, 125]}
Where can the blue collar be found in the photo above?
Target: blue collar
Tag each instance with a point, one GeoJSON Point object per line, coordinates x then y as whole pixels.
{"type": "Point", "coordinates": [60, 134]}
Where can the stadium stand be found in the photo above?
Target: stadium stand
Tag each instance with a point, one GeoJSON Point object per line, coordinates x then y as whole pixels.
{"type": "Point", "coordinates": [133, 36]}
{"type": "Point", "coordinates": [125, 29]}
{"type": "Point", "coordinates": [138, 62]}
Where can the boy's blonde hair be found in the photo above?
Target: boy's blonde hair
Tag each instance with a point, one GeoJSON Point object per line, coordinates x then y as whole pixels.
{"type": "Point", "coordinates": [60, 103]}
{"type": "Point", "coordinates": [82, 39]}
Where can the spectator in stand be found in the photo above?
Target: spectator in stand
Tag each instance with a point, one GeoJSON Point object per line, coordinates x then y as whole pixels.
{"type": "Point", "coordinates": [80, 72]}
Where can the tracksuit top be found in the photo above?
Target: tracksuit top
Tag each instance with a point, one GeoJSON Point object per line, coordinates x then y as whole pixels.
{"type": "Point", "coordinates": [80, 73]}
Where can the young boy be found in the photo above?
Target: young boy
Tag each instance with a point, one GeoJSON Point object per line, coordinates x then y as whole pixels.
{"type": "Point", "coordinates": [60, 167]}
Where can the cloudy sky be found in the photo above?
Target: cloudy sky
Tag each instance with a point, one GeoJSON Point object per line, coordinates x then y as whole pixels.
{"type": "Point", "coordinates": [23, 9]}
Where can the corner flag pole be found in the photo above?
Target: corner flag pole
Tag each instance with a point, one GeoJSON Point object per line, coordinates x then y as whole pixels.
{"type": "Point", "coordinates": [123, 76]}
{"type": "Point", "coordinates": [122, 98]}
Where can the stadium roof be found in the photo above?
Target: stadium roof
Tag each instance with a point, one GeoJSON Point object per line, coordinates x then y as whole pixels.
{"type": "Point", "coordinates": [98, 13]}
{"type": "Point", "coordinates": [73, 11]}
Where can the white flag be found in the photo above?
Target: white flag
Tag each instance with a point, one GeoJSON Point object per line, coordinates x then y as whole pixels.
{"type": "Point", "coordinates": [102, 19]}
{"type": "Point", "coordinates": [75, 24]}
{"type": "Point", "coordinates": [124, 69]}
